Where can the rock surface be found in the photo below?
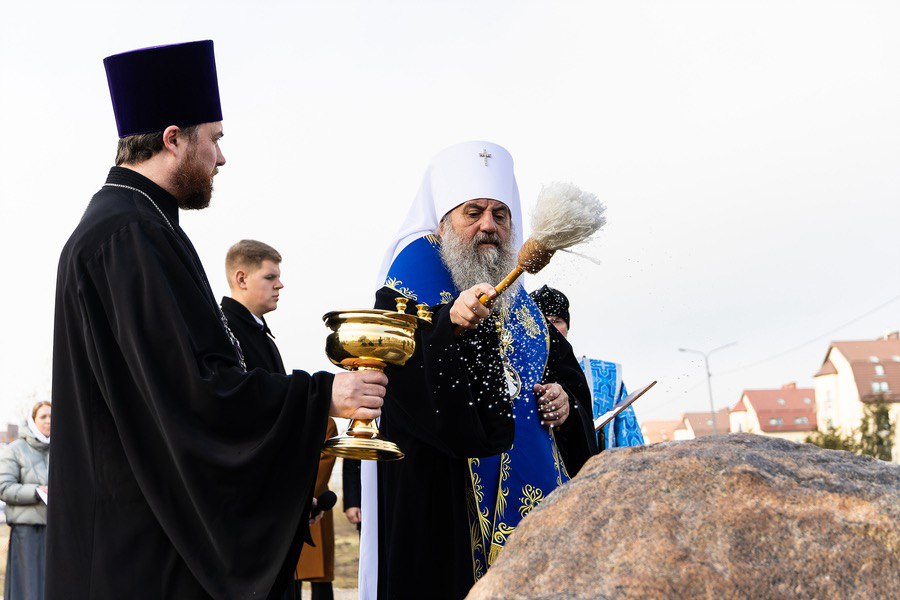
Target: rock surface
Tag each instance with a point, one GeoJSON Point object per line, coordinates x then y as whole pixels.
{"type": "Point", "coordinates": [727, 516]}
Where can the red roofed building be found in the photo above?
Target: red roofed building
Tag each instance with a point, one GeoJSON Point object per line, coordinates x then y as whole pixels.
{"type": "Point", "coordinates": [855, 373]}
{"type": "Point", "coordinates": [659, 431]}
{"type": "Point", "coordinates": [10, 435]}
{"type": "Point", "coordinates": [699, 424]}
{"type": "Point", "coordinates": [788, 412]}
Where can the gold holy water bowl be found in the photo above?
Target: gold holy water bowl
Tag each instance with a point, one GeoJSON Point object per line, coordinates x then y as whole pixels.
{"type": "Point", "coordinates": [370, 339]}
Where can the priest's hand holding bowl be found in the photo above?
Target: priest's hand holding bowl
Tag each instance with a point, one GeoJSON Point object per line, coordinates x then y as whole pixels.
{"type": "Point", "coordinates": [358, 394]}
{"type": "Point", "coordinates": [468, 311]}
{"type": "Point", "coordinates": [553, 404]}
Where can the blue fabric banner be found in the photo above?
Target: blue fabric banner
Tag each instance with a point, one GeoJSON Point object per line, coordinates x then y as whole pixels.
{"type": "Point", "coordinates": [605, 380]}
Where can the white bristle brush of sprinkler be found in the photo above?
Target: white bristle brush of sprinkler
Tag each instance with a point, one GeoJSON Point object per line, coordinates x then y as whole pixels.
{"type": "Point", "coordinates": [563, 216]}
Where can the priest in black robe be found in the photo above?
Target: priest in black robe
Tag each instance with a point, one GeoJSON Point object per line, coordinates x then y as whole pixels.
{"type": "Point", "coordinates": [175, 472]}
{"type": "Point", "coordinates": [491, 419]}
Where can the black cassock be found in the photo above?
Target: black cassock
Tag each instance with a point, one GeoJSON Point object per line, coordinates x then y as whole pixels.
{"type": "Point", "coordinates": [257, 345]}
{"type": "Point", "coordinates": [424, 547]}
{"type": "Point", "coordinates": [174, 473]}
{"type": "Point", "coordinates": [350, 478]}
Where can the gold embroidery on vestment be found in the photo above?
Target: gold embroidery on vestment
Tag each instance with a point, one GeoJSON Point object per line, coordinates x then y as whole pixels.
{"type": "Point", "coordinates": [478, 527]}
{"type": "Point", "coordinates": [500, 536]}
{"type": "Point", "coordinates": [531, 497]}
{"type": "Point", "coordinates": [397, 285]}
{"type": "Point", "coordinates": [502, 492]}
{"type": "Point", "coordinates": [557, 459]}
{"type": "Point", "coordinates": [530, 326]}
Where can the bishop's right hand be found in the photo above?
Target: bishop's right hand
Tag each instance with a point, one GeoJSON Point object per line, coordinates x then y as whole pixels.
{"type": "Point", "coordinates": [358, 394]}
{"type": "Point", "coordinates": [468, 311]}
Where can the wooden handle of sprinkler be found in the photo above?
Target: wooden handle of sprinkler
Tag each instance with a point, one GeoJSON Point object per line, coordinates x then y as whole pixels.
{"type": "Point", "coordinates": [507, 281]}
{"type": "Point", "coordinates": [533, 257]}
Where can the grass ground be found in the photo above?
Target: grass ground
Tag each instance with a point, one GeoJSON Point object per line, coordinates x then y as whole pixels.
{"type": "Point", "coordinates": [346, 550]}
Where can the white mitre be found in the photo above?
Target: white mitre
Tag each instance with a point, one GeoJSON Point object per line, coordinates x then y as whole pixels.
{"type": "Point", "coordinates": [455, 175]}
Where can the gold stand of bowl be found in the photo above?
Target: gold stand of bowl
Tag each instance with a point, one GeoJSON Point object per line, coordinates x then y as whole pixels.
{"type": "Point", "coordinates": [370, 340]}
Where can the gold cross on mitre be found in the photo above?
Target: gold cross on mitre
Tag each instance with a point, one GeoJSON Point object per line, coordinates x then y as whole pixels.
{"type": "Point", "coordinates": [485, 155]}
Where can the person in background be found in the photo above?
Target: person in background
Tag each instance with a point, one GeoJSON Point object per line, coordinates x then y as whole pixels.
{"type": "Point", "coordinates": [254, 278]}
{"type": "Point", "coordinates": [554, 306]}
{"type": "Point", "coordinates": [352, 492]}
{"type": "Point", "coordinates": [604, 378]}
{"type": "Point", "coordinates": [253, 269]}
{"type": "Point", "coordinates": [317, 562]}
{"type": "Point", "coordinates": [23, 486]}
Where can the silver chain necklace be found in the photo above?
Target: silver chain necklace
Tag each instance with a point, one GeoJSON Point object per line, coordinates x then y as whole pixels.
{"type": "Point", "coordinates": [231, 336]}
{"type": "Point", "coordinates": [145, 195]}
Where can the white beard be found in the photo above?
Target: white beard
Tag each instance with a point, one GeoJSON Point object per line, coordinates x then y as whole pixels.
{"type": "Point", "coordinates": [470, 265]}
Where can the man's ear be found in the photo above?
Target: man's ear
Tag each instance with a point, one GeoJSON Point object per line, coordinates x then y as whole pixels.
{"type": "Point", "coordinates": [239, 279]}
{"type": "Point", "coordinates": [174, 140]}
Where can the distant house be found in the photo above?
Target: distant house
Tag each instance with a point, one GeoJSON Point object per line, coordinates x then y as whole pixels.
{"type": "Point", "coordinates": [855, 373]}
{"type": "Point", "coordinates": [10, 435]}
{"type": "Point", "coordinates": [659, 431]}
{"type": "Point", "coordinates": [787, 412]}
{"type": "Point", "coordinates": [699, 424]}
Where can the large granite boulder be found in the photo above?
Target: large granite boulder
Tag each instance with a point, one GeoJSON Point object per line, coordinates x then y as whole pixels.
{"type": "Point", "coordinates": [727, 516]}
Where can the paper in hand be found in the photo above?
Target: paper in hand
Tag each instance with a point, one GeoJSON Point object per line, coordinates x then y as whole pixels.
{"type": "Point", "coordinates": [42, 495]}
{"type": "Point", "coordinates": [625, 403]}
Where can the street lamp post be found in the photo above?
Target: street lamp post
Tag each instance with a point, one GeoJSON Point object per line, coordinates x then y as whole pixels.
{"type": "Point", "coordinates": [705, 355]}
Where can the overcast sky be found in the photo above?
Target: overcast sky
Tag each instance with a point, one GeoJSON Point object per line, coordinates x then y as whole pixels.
{"type": "Point", "coordinates": [748, 153]}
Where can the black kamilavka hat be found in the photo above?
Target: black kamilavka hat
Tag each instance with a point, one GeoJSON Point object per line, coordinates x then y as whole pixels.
{"type": "Point", "coordinates": [153, 88]}
{"type": "Point", "coordinates": [553, 303]}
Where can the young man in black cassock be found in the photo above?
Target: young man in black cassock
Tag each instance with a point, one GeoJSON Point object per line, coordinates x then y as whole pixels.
{"type": "Point", "coordinates": [254, 277]}
{"type": "Point", "coordinates": [175, 473]}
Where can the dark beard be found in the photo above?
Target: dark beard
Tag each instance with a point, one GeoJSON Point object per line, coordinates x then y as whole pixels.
{"type": "Point", "coordinates": [469, 265]}
{"type": "Point", "coordinates": [193, 184]}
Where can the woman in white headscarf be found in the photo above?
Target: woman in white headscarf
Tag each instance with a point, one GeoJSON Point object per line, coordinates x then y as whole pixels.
{"type": "Point", "coordinates": [23, 486]}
